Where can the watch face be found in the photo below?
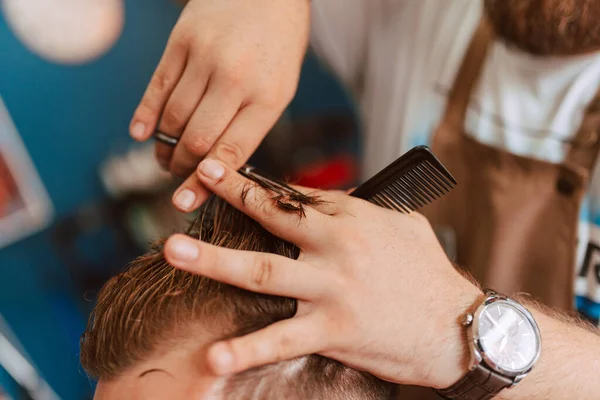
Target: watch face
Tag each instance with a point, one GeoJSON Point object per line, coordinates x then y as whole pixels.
{"type": "Point", "coordinates": [508, 337]}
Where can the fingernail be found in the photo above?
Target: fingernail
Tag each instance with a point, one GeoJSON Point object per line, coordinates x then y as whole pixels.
{"type": "Point", "coordinates": [211, 169]}
{"type": "Point", "coordinates": [222, 359]}
{"type": "Point", "coordinates": [137, 130]}
{"type": "Point", "coordinates": [183, 250]}
{"type": "Point", "coordinates": [185, 199]}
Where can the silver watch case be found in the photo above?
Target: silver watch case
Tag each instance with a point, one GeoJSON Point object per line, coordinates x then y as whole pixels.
{"type": "Point", "coordinates": [479, 356]}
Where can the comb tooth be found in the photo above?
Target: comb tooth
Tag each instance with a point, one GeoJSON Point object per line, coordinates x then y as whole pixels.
{"type": "Point", "coordinates": [389, 201]}
{"type": "Point", "coordinates": [391, 197]}
{"type": "Point", "coordinates": [419, 186]}
{"type": "Point", "coordinates": [407, 189]}
{"type": "Point", "coordinates": [448, 180]}
{"type": "Point", "coordinates": [380, 202]}
{"type": "Point", "coordinates": [389, 194]}
{"type": "Point", "coordinates": [425, 185]}
{"type": "Point", "coordinates": [406, 192]}
{"type": "Point", "coordinates": [414, 192]}
{"type": "Point", "coordinates": [407, 195]}
{"type": "Point", "coordinates": [431, 180]}
{"type": "Point", "coordinates": [434, 173]}
{"type": "Point", "coordinates": [394, 205]}
{"type": "Point", "coordinates": [385, 202]}
{"type": "Point", "coordinates": [399, 194]}
{"type": "Point", "coordinates": [377, 202]}
{"type": "Point", "coordinates": [400, 201]}
{"type": "Point", "coordinates": [437, 176]}
{"type": "Point", "coordinates": [426, 181]}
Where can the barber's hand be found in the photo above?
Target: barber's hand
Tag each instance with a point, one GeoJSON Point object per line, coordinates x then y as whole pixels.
{"type": "Point", "coordinates": [229, 70]}
{"type": "Point", "coordinates": [375, 289]}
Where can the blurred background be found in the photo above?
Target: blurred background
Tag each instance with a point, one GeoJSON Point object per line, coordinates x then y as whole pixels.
{"type": "Point", "coordinates": [78, 198]}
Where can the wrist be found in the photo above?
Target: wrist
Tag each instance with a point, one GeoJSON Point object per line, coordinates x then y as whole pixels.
{"type": "Point", "coordinates": [450, 354]}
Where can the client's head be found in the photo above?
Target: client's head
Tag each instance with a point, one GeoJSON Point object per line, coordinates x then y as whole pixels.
{"type": "Point", "coordinates": [149, 332]}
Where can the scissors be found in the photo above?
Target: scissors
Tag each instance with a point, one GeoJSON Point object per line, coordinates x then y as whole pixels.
{"type": "Point", "coordinates": [247, 170]}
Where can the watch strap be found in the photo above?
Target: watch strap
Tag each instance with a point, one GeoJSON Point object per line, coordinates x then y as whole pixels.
{"type": "Point", "coordinates": [478, 384]}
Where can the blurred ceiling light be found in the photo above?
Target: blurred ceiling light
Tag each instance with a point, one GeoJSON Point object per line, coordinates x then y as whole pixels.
{"type": "Point", "coordinates": [66, 31]}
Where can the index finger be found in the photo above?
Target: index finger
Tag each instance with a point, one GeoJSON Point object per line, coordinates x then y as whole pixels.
{"type": "Point", "coordinates": [254, 271]}
{"type": "Point", "coordinates": [283, 216]}
{"type": "Point", "coordinates": [162, 84]}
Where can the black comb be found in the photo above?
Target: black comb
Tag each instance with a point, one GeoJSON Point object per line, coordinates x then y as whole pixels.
{"type": "Point", "coordinates": [412, 181]}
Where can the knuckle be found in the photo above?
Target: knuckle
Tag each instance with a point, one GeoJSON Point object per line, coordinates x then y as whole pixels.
{"type": "Point", "coordinates": [277, 99]}
{"type": "Point", "coordinates": [230, 153]}
{"type": "Point", "coordinates": [352, 239]}
{"type": "Point", "coordinates": [173, 117]}
{"type": "Point", "coordinates": [284, 343]}
{"type": "Point", "coordinates": [271, 100]}
{"type": "Point", "coordinates": [160, 82]}
{"type": "Point", "coordinates": [262, 272]}
{"type": "Point", "coordinates": [420, 218]}
{"type": "Point", "coordinates": [339, 284]}
{"type": "Point", "coordinates": [203, 44]}
{"type": "Point", "coordinates": [179, 41]}
{"type": "Point", "coordinates": [232, 75]}
{"type": "Point", "coordinates": [197, 145]}
{"type": "Point", "coordinates": [354, 236]}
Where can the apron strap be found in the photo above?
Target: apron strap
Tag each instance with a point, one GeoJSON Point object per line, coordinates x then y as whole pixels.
{"type": "Point", "coordinates": [586, 145]}
{"type": "Point", "coordinates": [584, 148]}
{"type": "Point", "coordinates": [466, 79]}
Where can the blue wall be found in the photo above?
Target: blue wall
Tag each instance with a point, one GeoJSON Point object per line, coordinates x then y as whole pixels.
{"type": "Point", "coordinates": [70, 119]}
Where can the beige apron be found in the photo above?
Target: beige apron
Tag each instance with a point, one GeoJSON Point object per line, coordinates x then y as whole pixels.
{"type": "Point", "coordinates": [515, 219]}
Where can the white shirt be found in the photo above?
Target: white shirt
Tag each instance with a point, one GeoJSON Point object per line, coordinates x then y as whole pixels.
{"type": "Point", "coordinates": [400, 58]}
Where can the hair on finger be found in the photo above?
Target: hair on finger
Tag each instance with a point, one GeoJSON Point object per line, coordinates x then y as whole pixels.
{"type": "Point", "coordinates": [285, 198]}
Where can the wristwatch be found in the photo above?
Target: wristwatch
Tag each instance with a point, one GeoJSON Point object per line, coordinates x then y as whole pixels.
{"type": "Point", "coordinates": [505, 344]}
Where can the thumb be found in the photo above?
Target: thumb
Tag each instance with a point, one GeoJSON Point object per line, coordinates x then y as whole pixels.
{"type": "Point", "coordinates": [281, 341]}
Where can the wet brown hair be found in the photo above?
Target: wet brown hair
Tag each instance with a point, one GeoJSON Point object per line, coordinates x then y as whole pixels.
{"type": "Point", "coordinates": [152, 305]}
{"type": "Point", "coordinates": [547, 27]}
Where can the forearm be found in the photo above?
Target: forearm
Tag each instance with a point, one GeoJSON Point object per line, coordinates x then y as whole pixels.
{"type": "Point", "coordinates": [569, 365]}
